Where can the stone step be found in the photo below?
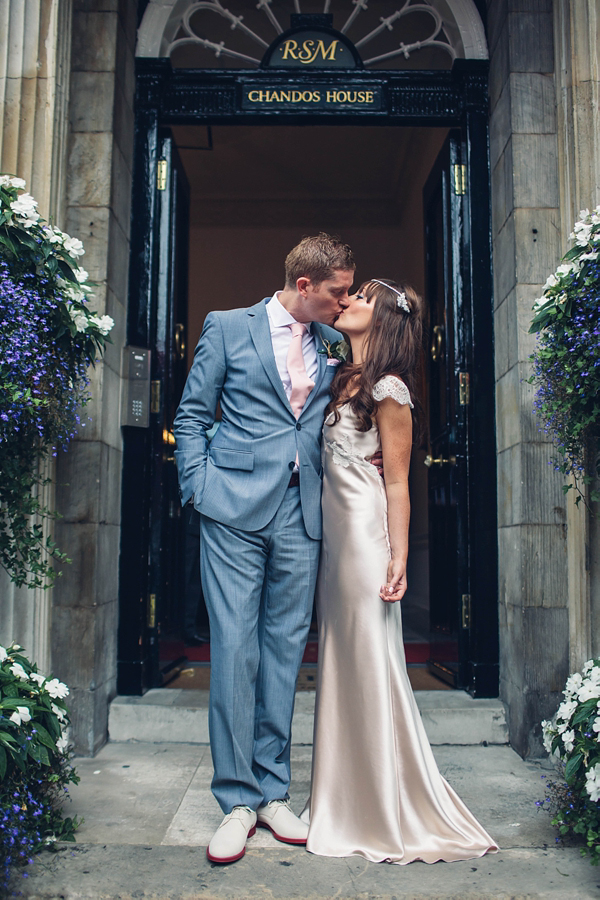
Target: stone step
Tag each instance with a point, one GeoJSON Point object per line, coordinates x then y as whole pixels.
{"type": "Point", "coordinates": [181, 716]}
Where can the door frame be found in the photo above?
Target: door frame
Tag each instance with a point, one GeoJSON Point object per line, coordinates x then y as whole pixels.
{"type": "Point", "coordinates": [455, 98]}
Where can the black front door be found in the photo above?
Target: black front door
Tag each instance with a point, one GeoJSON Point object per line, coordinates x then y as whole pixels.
{"type": "Point", "coordinates": [462, 485]}
{"type": "Point", "coordinates": [152, 570]}
{"type": "Point", "coordinates": [461, 493]}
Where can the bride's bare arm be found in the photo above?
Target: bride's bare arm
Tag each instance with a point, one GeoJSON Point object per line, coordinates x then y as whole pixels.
{"type": "Point", "coordinates": [395, 428]}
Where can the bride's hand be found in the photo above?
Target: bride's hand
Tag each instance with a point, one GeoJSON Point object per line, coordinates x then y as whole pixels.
{"type": "Point", "coordinates": [396, 585]}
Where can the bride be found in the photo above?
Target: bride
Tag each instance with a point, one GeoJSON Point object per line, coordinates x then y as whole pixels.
{"type": "Point", "coordinates": [376, 790]}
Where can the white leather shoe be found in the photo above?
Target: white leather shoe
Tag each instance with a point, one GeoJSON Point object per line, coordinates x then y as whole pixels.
{"type": "Point", "coordinates": [229, 840]}
{"type": "Point", "coordinates": [281, 822]}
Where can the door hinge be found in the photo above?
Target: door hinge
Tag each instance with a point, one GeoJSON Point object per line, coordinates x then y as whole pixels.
{"type": "Point", "coordinates": [460, 179]}
{"type": "Point", "coordinates": [466, 610]}
{"type": "Point", "coordinates": [155, 396]}
{"type": "Point", "coordinates": [161, 174]}
{"type": "Point", "coordinates": [151, 617]}
{"type": "Point", "coordinates": [464, 388]}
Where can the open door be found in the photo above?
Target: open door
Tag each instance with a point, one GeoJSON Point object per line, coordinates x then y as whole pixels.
{"type": "Point", "coordinates": [152, 567]}
{"type": "Point", "coordinates": [169, 370]}
{"type": "Point", "coordinates": [461, 484]}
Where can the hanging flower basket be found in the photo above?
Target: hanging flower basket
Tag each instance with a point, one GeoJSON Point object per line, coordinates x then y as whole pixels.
{"type": "Point", "coordinates": [566, 361]}
{"type": "Point", "coordinates": [49, 337]}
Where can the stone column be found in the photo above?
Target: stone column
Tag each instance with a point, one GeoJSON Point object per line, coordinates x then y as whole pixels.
{"type": "Point", "coordinates": [84, 615]}
{"type": "Point", "coordinates": [35, 47]}
{"type": "Point", "coordinates": [532, 534]}
{"type": "Point", "coordinates": [577, 54]}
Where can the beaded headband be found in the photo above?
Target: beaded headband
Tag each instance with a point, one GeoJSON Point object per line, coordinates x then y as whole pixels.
{"type": "Point", "coordinates": [400, 300]}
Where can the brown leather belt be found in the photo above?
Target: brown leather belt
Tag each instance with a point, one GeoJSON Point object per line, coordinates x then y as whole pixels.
{"type": "Point", "coordinates": [294, 480]}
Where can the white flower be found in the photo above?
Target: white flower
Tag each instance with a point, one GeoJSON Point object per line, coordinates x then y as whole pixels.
{"type": "Point", "coordinates": [551, 282]}
{"type": "Point", "coordinates": [573, 684]}
{"type": "Point", "coordinates": [3, 654]}
{"type": "Point", "coordinates": [35, 676]}
{"type": "Point", "coordinates": [588, 666]}
{"type": "Point", "coordinates": [4, 180]}
{"type": "Point", "coordinates": [568, 739]}
{"type": "Point", "coordinates": [541, 302]}
{"type": "Point", "coordinates": [54, 235]}
{"type": "Point", "coordinates": [18, 183]}
{"type": "Point", "coordinates": [592, 255]}
{"type": "Point", "coordinates": [592, 785]}
{"type": "Point", "coordinates": [59, 713]}
{"type": "Point", "coordinates": [79, 318]}
{"type": "Point", "coordinates": [588, 690]}
{"type": "Point", "coordinates": [81, 275]}
{"type": "Point", "coordinates": [583, 214]}
{"type": "Point", "coordinates": [596, 726]}
{"type": "Point", "coordinates": [24, 206]}
{"type": "Point", "coordinates": [62, 744]}
{"type": "Point", "coordinates": [21, 716]}
{"type": "Point", "coordinates": [18, 670]}
{"type": "Point", "coordinates": [103, 323]}
{"type": "Point", "coordinates": [74, 247]}
{"type": "Point", "coordinates": [568, 269]}
{"type": "Point", "coordinates": [548, 736]}
{"type": "Point", "coordinates": [57, 689]}
{"type": "Point", "coordinates": [566, 710]}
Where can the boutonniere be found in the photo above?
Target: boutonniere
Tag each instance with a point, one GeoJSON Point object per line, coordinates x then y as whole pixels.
{"type": "Point", "coordinates": [336, 352]}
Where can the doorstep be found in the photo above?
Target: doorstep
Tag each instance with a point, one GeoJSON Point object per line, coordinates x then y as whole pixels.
{"type": "Point", "coordinates": [181, 716]}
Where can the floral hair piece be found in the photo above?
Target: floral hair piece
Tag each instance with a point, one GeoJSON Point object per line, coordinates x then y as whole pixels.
{"type": "Point", "coordinates": [401, 298]}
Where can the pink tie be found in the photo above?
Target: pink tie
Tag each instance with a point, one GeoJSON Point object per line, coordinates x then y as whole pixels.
{"type": "Point", "coordinates": [301, 383]}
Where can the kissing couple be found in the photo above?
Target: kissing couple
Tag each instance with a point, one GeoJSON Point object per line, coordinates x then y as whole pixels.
{"type": "Point", "coordinates": [289, 501]}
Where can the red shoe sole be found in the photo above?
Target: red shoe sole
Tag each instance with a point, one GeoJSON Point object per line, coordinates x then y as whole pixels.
{"type": "Point", "coordinates": [222, 861]}
{"type": "Point", "coordinates": [278, 836]}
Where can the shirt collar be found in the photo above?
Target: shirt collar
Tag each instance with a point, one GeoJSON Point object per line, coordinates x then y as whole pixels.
{"type": "Point", "coordinates": [279, 315]}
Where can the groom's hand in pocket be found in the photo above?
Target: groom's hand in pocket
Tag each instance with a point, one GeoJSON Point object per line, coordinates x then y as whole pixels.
{"type": "Point", "coordinates": [377, 461]}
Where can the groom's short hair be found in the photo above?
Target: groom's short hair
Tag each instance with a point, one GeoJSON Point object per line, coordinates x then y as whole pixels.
{"type": "Point", "coordinates": [317, 258]}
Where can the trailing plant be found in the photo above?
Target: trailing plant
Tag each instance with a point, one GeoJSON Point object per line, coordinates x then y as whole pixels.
{"type": "Point", "coordinates": [567, 358]}
{"type": "Point", "coordinates": [573, 739]}
{"type": "Point", "coordinates": [35, 767]}
{"type": "Point", "coordinates": [48, 339]}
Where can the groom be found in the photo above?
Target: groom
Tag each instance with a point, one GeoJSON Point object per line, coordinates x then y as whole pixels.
{"type": "Point", "coordinates": [257, 486]}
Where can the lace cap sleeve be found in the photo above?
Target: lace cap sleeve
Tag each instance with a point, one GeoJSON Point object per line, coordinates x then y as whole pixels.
{"type": "Point", "coordinates": [391, 386]}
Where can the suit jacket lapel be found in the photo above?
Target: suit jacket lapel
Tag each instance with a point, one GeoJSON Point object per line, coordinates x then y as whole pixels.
{"type": "Point", "coordinates": [258, 323]}
{"type": "Point", "coordinates": [321, 366]}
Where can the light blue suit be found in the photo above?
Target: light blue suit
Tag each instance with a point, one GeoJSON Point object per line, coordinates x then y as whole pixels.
{"type": "Point", "coordinates": [259, 541]}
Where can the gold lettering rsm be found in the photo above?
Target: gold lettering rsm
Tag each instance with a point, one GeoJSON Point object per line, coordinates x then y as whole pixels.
{"type": "Point", "coordinates": [308, 52]}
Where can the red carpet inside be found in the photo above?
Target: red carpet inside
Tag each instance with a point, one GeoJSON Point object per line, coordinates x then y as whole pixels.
{"type": "Point", "coordinates": [415, 652]}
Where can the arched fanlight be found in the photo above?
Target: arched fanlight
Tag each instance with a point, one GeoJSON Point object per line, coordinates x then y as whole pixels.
{"type": "Point", "coordinates": [242, 31]}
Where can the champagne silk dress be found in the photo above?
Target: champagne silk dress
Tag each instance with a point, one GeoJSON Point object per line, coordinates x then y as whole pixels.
{"type": "Point", "coordinates": [376, 790]}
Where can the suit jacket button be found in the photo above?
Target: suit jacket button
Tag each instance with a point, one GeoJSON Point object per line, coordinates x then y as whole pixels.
{"type": "Point", "coordinates": [298, 426]}
{"type": "Point", "coordinates": [291, 466]}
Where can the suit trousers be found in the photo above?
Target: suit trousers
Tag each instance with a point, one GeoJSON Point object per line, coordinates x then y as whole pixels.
{"type": "Point", "coordinates": [259, 588]}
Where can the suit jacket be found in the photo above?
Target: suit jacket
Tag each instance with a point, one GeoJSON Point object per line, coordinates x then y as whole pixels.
{"type": "Point", "coordinates": [240, 477]}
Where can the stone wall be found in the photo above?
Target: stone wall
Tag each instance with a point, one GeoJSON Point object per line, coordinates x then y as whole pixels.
{"type": "Point", "coordinates": [35, 51]}
{"type": "Point", "coordinates": [99, 164]}
{"type": "Point", "coordinates": [532, 514]}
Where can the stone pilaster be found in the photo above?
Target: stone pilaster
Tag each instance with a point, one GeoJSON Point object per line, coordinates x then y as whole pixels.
{"type": "Point", "coordinates": [88, 479]}
{"type": "Point", "coordinates": [532, 531]}
{"type": "Point", "coordinates": [35, 48]}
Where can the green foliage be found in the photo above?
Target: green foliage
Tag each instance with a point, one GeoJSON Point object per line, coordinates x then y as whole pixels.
{"type": "Point", "coordinates": [49, 338]}
{"type": "Point", "coordinates": [35, 767]}
{"type": "Point", "coordinates": [572, 739]}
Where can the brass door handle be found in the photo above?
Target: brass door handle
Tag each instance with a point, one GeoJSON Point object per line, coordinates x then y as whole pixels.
{"type": "Point", "coordinates": [437, 342]}
{"type": "Point", "coordinates": [179, 340]}
{"type": "Point", "coordinates": [430, 461]}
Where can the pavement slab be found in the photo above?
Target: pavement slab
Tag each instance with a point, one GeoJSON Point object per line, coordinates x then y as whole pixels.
{"type": "Point", "coordinates": [149, 814]}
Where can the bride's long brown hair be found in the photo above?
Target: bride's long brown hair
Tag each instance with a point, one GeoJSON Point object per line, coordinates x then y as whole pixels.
{"type": "Point", "coordinates": [392, 346]}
